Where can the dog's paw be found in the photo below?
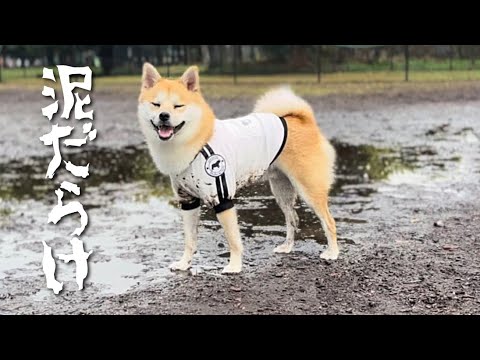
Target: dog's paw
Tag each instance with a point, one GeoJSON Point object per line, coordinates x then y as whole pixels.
{"type": "Point", "coordinates": [232, 269]}
{"type": "Point", "coordinates": [180, 266]}
{"type": "Point", "coordinates": [330, 254]}
{"type": "Point", "coordinates": [283, 249]}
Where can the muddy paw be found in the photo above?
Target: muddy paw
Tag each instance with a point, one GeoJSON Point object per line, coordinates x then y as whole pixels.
{"type": "Point", "coordinates": [329, 254]}
{"type": "Point", "coordinates": [180, 266]}
{"type": "Point", "coordinates": [232, 269]}
{"type": "Point", "coordinates": [283, 249]}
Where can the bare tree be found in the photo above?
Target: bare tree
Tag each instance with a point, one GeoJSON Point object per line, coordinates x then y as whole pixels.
{"type": "Point", "coordinates": [205, 55]}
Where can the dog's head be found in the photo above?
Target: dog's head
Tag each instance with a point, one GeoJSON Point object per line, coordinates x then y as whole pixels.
{"type": "Point", "coordinates": [173, 111]}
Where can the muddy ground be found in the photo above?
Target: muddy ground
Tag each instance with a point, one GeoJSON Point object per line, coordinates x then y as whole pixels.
{"type": "Point", "coordinates": [406, 203]}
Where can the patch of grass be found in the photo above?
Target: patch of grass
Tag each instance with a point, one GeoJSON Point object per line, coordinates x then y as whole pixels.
{"type": "Point", "coordinates": [20, 74]}
{"type": "Point", "coordinates": [349, 83]}
{"type": "Point", "coordinates": [4, 212]}
{"type": "Point", "coordinates": [415, 65]}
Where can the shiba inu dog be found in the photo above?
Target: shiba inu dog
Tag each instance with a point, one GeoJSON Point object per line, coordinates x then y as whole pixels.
{"type": "Point", "coordinates": [208, 159]}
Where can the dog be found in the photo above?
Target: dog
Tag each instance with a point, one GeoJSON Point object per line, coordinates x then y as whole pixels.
{"type": "Point", "coordinates": [216, 165]}
{"type": "Point", "coordinates": [208, 159]}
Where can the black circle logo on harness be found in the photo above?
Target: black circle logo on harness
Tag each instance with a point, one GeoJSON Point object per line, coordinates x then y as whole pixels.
{"type": "Point", "coordinates": [215, 165]}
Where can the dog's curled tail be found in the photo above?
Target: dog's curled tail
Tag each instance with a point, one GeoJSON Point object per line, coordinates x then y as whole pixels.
{"type": "Point", "coordinates": [282, 101]}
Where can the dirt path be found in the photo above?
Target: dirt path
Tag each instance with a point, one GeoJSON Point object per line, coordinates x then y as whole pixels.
{"type": "Point", "coordinates": [438, 274]}
{"type": "Point", "coordinates": [403, 165]}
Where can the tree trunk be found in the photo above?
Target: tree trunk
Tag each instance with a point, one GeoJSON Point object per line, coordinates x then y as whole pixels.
{"type": "Point", "coordinates": [2, 47]}
{"type": "Point", "coordinates": [239, 54]}
{"type": "Point", "coordinates": [252, 53]}
{"type": "Point", "coordinates": [159, 54]}
{"type": "Point", "coordinates": [319, 63]}
{"type": "Point", "coordinates": [236, 52]}
{"type": "Point", "coordinates": [222, 57]}
{"type": "Point", "coordinates": [450, 55]}
{"type": "Point", "coordinates": [205, 55]}
{"type": "Point", "coordinates": [471, 53]}
{"type": "Point", "coordinates": [460, 51]}
{"type": "Point", "coordinates": [214, 55]}
{"type": "Point", "coordinates": [373, 56]}
{"type": "Point", "coordinates": [185, 54]}
{"type": "Point", "coordinates": [106, 58]}
{"type": "Point", "coordinates": [50, 55]}
{"type": "Point", "coordinates": [390, 55]}
{"type": "Point", "coordinates": [407, 62]}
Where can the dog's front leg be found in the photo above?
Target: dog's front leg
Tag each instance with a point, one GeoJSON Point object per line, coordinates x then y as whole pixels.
{"type": "Point", "coordinates": [190, 228]}
{"type": "Point", "coordinates": [228, 219]}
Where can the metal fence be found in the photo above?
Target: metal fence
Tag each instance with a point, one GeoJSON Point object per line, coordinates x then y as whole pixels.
{"type": "Point", "coordinates": [238, 60]}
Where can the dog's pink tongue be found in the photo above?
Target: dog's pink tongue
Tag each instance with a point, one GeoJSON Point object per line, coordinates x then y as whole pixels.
{"type": "Point", "coordinates": [165, 132]}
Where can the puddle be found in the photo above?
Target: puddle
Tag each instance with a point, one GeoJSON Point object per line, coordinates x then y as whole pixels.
{"type": "Point", "coordinates": [135, 231]}
{"type": "Point", "coordinates": [125, 272]}
{"type": "Point", "coordinates": [468, 135]}
{"type": "Point", "coordinates": [26, 179]}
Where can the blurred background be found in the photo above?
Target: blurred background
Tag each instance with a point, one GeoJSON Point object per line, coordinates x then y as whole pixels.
{"type": "Point", "coordinates": [26, 60]}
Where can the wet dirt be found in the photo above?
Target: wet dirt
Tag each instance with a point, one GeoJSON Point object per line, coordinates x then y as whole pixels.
{"type": "Point", "coordinates": [401, 168]}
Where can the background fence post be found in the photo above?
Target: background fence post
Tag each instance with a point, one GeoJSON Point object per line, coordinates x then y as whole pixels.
{"type": "Point", "coordinates": [235, 54]}
{"type": "Point", "coordinates": [319, 64]}
{"type": "Point", "coordinates": [169, 59]}
{"type": "Point", "coordinates": [450, 58]}
{"type": "Point", "coordinates": [407, 61]}
{"type": "Point", "coordinates": [1, 65]}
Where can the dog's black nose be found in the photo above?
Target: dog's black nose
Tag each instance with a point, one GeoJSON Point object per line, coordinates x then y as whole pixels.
{"type": "Point", "coordinates": [164, 116]}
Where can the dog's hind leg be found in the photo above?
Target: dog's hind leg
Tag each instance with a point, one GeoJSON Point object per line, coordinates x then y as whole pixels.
{"type": "Point", "coordinates": [228, 220]}
{"type": "Point", "coordinates": [285, 194]}
{"type": "Point", "coordinates": [312, 178]}
{"type": "Point", "coordinates": [330, 228]}
{"type": "Point", "coordinates": [190, 228]}
{"type": "Point", "coordinates": [317, 198]}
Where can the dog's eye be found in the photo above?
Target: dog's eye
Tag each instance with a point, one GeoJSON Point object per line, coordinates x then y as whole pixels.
{"type": "Point", "coordinates": [178, 106]}
{"type": "Point", "coordinates": [156, 104]}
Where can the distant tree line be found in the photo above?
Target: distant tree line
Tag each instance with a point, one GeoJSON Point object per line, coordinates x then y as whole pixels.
{"type": "Point", "coordinates": [116, 59]}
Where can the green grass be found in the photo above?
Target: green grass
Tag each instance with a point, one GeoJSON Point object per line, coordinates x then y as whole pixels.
{"type": "Point", "coordinates": [4, 212]}
{"type": "Point", "coordinates": [217, 86]}
{"type": "Point", "coordinates": [415, 65]}
{"type": "Point", "coordinates": [18, 73]}
{"type": "Point", "coordinates": [37, 72]}
{"type": "Point", "coordinates": [305, 84]}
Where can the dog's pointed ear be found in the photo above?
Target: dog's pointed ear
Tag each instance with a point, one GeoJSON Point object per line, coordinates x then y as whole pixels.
{"type": "Point", "coordinates": [150, 76]}
{"type": "Point", "coordinates": [191, 79]}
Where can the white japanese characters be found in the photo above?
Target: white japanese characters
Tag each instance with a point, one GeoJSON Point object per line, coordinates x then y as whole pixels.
{"type": "Point", "coordinates": [71, 101]}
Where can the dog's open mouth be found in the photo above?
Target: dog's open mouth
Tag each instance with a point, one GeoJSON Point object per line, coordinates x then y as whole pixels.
{"type": "Point", "coordinates": [166, 132]}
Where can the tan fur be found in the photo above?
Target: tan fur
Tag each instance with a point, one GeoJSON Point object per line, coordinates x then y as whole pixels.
{"type": "Point", "coordinates": [305, 143]}
{"type": "Point", "coordinates": [185, 96]}
{"type": "Point", "coordinates": [308, 157]}
{"type": "Point", "coordinates": [305, 166]}
{"type": "Point", "coordinates": [283, 102]}
{"type": "Point", "coordinates": [229, 222]}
